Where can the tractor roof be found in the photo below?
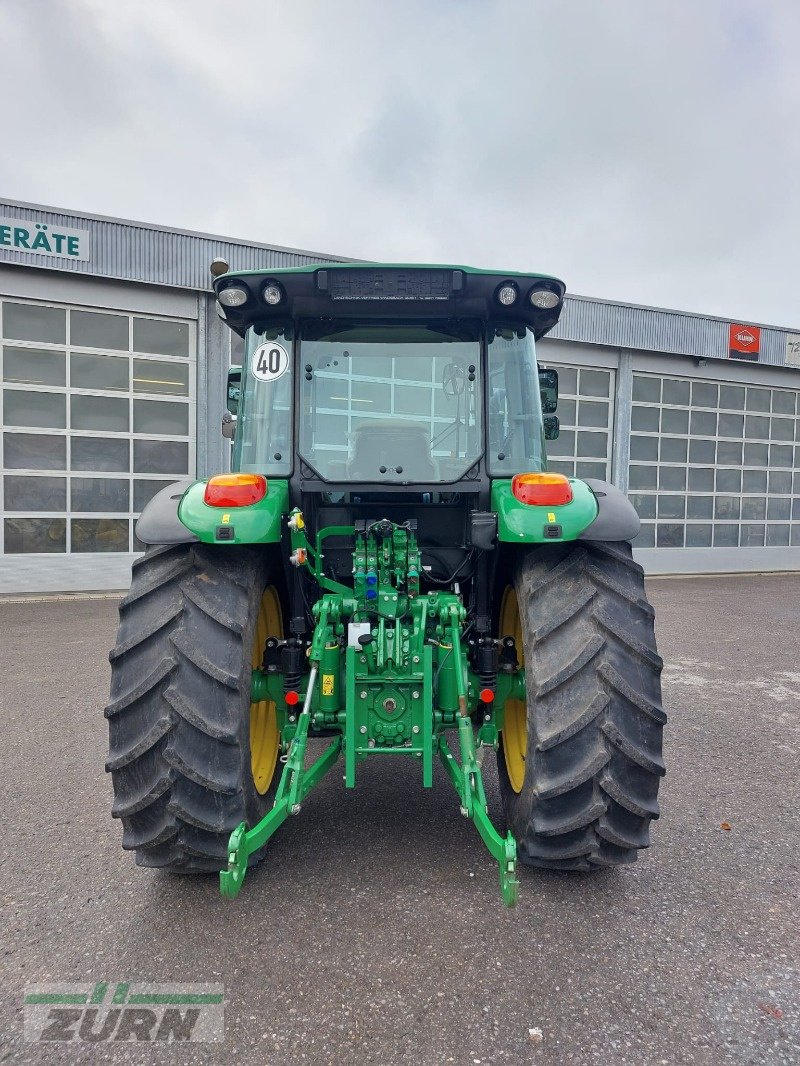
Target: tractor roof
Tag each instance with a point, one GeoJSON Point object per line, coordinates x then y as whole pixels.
{"type": "Point", "coordinates": [381, 290]}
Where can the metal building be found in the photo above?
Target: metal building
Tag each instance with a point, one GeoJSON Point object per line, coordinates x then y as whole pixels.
{"type": "Point", "coordinates": [113, 369]}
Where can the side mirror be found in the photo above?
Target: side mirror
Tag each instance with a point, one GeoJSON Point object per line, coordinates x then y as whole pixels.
{"type": "Point", "coordinates": [229, 426]}
{"type": "Point", "coordinates": [234, 389]}
{"type": "Point", "coordinates": [548, 388]}
{"type": "Point", "coordinates": [552, 427]}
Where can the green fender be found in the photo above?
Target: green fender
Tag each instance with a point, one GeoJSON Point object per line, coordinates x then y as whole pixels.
{"type": "Point", "coordinates": [524, 523]}
{"type": "Point", "coordinates": [258, 523]}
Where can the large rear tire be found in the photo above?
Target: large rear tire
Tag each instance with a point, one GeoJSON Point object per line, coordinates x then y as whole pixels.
{"type": "Point", "coordinates": [580, 760]}
{"type": "Point", "coordinates": [190, 756]}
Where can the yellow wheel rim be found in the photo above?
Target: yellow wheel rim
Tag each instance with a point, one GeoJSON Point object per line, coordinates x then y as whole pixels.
{"type": "Point", "coordinates": [515, 723]}
{"type": "Point", "coordinates": [264, 739]}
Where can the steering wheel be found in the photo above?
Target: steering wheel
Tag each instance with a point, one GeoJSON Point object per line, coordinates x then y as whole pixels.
{"type": "Point", "coordinates": [454, 379]}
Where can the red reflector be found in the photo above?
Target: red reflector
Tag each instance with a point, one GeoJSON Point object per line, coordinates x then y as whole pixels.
{"type": "Point", "coordinates": [235, 490]}
{"type": "Point", "coordinates": [291, 698]}
{"type": "Point", "coordinates": [487, 696]}
{"type": "Point", "coordinates": [542, 490]}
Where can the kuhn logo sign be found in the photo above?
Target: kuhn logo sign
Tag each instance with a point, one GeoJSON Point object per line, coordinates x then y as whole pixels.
{"type": "Point", "coordinates": [743, 341]}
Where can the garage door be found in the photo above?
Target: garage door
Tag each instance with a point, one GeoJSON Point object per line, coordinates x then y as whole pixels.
{"type": "Point", "coordinates": [98, 414]}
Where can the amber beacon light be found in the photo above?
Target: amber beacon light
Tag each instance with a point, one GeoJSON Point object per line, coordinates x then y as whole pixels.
{"type": "Point", "coordinates": [235, 490]}
{"type": "Point", "coordinates": [542, 490]}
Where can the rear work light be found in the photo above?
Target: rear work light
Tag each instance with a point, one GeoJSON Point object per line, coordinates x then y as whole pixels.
{"type": "Point", "coordinates": [272, 293]}
{"type": "Point", "coordinates": [233, 296]}
{"type": "Point", "coordinates": [544, 299]}
{"type": "Point", "coordinates": [542, 490]}
{"type": "Point", "coordinates": [507, 294]}
{"type": "Point", "coordinates": [235, 490]}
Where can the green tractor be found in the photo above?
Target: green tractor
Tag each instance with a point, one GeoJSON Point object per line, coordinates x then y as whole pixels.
{"type": "Point", "coordinates": [390, 568]}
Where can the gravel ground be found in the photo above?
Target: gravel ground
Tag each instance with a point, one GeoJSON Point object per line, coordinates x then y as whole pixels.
{"type": "Point", "coordinates": [374, 931]}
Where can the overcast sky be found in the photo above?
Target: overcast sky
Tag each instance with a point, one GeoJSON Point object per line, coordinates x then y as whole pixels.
{"type": "Point", "coordinates": [646, 152]}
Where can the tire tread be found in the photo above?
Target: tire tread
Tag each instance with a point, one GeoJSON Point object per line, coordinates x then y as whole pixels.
{"type": "Point", "coordinates": [595, 718]}
{"type": "Point", "coordinates": [180, 681]}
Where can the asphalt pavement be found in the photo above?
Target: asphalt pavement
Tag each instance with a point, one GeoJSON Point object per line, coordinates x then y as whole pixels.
{"type": "Point", "coordinates": [374, 931]}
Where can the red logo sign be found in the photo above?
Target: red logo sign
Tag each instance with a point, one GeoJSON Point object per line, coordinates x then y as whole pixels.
{"type": "Point", "coordinates": [743, 341]}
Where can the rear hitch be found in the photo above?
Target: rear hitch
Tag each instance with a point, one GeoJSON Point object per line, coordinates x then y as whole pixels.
{"type": "Point", "coordinates": [394, 677]}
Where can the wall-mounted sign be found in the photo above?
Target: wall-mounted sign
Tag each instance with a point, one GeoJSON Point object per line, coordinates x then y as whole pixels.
{"type": "Point", "coordinates": [743, 342]}
{"type": "Point", "coordinates": [793, 349]}
{"type": "Point", "coordinates": [22, 235]}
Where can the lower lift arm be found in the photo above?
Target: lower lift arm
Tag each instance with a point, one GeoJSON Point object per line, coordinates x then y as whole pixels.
{"type": "Point", "coordinates": [295, 784]}
{"type": "Point", "coordinates": [468, 781]}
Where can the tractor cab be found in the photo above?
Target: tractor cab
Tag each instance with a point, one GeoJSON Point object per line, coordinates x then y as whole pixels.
{"type": "Point", "coordinates": [401, 378]}
{"type": "Point", "coordinates": [407, 388]}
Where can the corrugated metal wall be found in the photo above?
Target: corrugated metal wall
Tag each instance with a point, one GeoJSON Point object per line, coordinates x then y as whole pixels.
{"type": "Point", "coordinates": [654, 330]}
{"type": "Point", "coordinates": [136, 252]}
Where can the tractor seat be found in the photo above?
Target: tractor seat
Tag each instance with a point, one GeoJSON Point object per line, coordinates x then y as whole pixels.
{"type": "Point", "coordinates": [391, 443]}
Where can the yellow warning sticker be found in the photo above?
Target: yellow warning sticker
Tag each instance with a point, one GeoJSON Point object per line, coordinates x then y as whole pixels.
{"type": "Point", "coordinates": [551, 516]}
{"type": "Point", "coordinates": [226, 519]}
{"type": "Point", "coordinates": [327, 684]}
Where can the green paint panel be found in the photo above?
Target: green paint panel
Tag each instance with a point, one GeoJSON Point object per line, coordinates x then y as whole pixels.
{"type": "Point", "coordinates": [523, 523]}
{"type": "Point", "coordinates": [260, 523]}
